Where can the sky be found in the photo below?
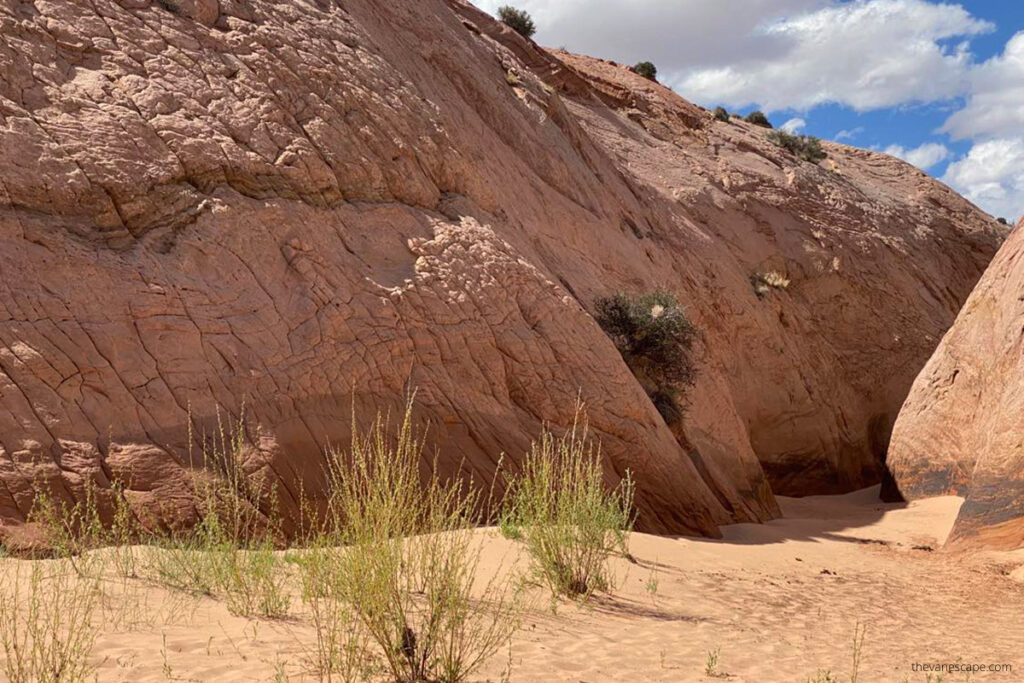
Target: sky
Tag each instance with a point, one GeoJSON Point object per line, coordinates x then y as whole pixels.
{"type": "Point", "coordinates": [938, 83]}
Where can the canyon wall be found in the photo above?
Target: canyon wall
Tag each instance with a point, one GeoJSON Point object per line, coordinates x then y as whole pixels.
{"type": "Point", "coordinates": [293, 214]}
{"type": "Point", "coordinates": [961, 430]}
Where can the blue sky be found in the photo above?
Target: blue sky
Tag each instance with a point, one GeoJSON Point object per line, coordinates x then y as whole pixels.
{"type": "Point", "coordinates": [938, 83]}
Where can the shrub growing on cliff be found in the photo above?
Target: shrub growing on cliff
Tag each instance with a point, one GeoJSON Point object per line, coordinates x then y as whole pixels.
{"type": "Point", "coordinates": [570, 522]}
{"type": "Point", "coordinates": [518, 20]}
{"type": "Point", "coordinates": [655, 338]}
{"type": "Point", "coordinates": [763, 283]}
{"type": "Point", "coordinates": [758, 119]}
{"type": "Point", "coordinates": [806, 147]}
{"type": "Point", "coordinates": [721, 114]}
{"type": "Point", "coordinates": [647, 70]}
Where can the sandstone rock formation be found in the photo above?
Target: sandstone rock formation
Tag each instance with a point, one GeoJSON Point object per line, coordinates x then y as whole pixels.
{"type": "Point", "coordinates": [961, 430]}
{"type": "Point", "coordinates": [310, 208]}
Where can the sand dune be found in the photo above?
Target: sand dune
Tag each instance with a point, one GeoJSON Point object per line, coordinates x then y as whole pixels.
{"type": "Point", "coordinates": [777, 602]}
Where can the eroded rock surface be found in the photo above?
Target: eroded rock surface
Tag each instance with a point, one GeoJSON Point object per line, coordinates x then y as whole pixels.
{"type": "Point", "coordinates": [961, 430]}
{"type": "Point", "coordinates": [308, 209]}
{"type": "Point", "coordinates": [878, 256]}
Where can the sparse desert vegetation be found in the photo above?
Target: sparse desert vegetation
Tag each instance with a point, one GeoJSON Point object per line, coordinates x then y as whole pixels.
{"type": "Point", "coordinates": [399, 581]}
{"type": "Point", "coordinates": [758, 118]}
{"type": "Point", "coordinates": [47, 625]}
{"type": "Point", "coordinates": [721, 114]}
{"type": "Point", "coordinates": [407, 561]}
{"type": "Point", "coordinates": [806, 147]}
{"type": "Point", "coordinates": [388, 579]}
{"type": "Point", "coordinates": [763, 283]}
{"type": "Point", "coordinates": [570, 522]}
{"type": "Point", "coordinates": [518, 20]}
{"type": "Point", "coordinates": [656, 339]}
{"type": "Point", "coordinates": [647, 70]}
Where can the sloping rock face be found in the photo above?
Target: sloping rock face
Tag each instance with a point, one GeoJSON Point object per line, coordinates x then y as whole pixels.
{"type": "Point", "coordinates": [961, 430]}
{"type": "Point", "coordinates": [298, 212]}
{"type": "Point", "coordinates": [878, 257]}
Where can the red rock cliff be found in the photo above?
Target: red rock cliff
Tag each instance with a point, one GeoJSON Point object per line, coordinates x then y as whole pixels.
{"type": "Point", "coordinates": [311, 207]}
{"type": "Point", "coordinates": [961, 430]}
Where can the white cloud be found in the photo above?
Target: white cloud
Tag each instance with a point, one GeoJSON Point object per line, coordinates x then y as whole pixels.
{"type": "Point", "coordinates": [777, 54]}
{"type": "Point", "coordinates": [992, 176]}
{"type": "Point", "coordinates": [992, 173]}
{"type": "Point", "coordinates": [849, 134]}
{"type": "Point", "coordinates": [924, 157]}
{"type": "Point", "coordinates": [996, 103]}
{"type": "Point", "coordinates": [866, 54]}
{"type": "Point", "coordinates": [674, 34]}
{"type": "Point", "coordinates": [793, 125]}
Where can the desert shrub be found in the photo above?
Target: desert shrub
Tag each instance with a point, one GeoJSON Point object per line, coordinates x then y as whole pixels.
{"type": "Point", "coordinates": [569, 521]}
{"type": "Point", "coordinates": [71, 531]}
{"type": "Point", "coordinates": [655, 338]}
{"type": "Point", "coordinates": [340, 650]}
{"type": "Point", "coordinates": [1002, 221]}
{"type": "Point", "coordinates": [758, 119]}
{"type": "Point", "coordinates": [721, 114]}
{"type": "Point", "coordinates": [251, 579]}
{"type": "Point", "coordinates": [46, 627]}
{"type": "Point", "coordinates": [806, 147]}
{"type": "Point", "coordinates": [647, 70]}
{"type": "Point", "coordinates": [408, 566]}
{"type": "Point", "coordinates": [124, 530]}
{"type": "Point", "coordinates": [518, 20]}
{"type": "Point", "coordinates": [764, 282]}
{"type": "Point", "coordinates": [230, 553]}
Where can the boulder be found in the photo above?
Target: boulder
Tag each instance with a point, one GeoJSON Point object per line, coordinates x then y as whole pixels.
{"type": "Point", "coordinates": [961, 430]}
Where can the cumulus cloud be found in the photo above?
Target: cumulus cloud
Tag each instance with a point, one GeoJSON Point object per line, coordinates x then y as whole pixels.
{"type": "Point", "coordinates": [992, 173]}
{"type": "Point", "coordinates": [674, 34]}
{"type": "Point", "coordinates": [779, 53]}
{"type": "Point", "coordinates": [996, 103]}
{"type": "Point", "coordinates": [866, 54]}
{"type": "Point", "coordinates": [924, 157]}
{"type": "Point", "coordinates": [849, 134]}
{"type": "Point", "coordinates": [793, 125]}
{"type": "Point", "coordinates": [992, 176]}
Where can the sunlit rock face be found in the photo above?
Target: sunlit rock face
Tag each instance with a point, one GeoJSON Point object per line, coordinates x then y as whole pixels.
{"type": "Point", "coordinates": [297, 213]}
{"type": "Point", "coordinates": [961, 430]}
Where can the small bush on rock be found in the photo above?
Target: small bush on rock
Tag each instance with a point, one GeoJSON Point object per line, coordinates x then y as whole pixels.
{"type": "Point", "coordinates": [518, 20]}
{"type": "Point", "coordinates": [647, 70]}
{"type": "Point", "coordinates": [721, 114]}
{"type": "Point", "coordinates": [655, 339]}
{"type": "Point", "coordinates": [763, 283]}
{"type": "Point", "coordinates": [758, 119]}
{"type": "Point", "coordinates": [806, 147]}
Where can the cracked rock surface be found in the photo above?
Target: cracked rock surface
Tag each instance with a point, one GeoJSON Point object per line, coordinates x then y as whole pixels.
{"type": "Point", "coordinates": [298, 212]}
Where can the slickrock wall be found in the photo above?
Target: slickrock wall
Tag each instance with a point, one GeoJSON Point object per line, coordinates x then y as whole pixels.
{"type": "Point", "coordinates": [961, 430]}
{"type": "Point", "coordinates": [311, 207]}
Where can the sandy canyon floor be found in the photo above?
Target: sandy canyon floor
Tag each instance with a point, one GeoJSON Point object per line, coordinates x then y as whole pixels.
{"type": "Point", "coordinates": [777, 602]}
